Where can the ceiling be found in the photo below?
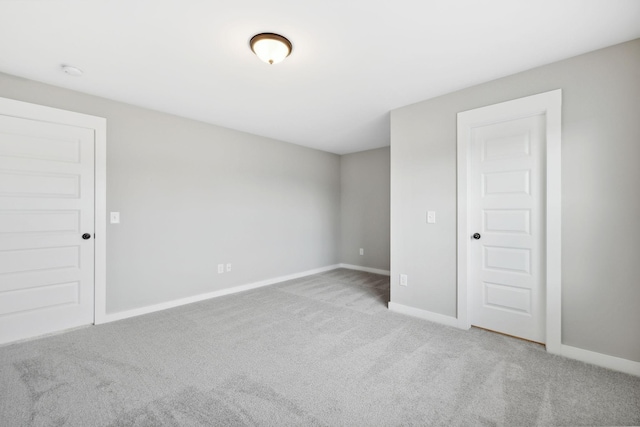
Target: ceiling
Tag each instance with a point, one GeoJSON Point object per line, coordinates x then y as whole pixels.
{"type": "Point", "coordinates": [353, 60]}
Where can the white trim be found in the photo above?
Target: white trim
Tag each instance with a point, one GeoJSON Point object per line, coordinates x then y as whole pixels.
{"type": "Point", "coordinates": [550, 104]}
{"type": "Point", "coordinates": [599, 359]}
{"type": "Point", "coordinates": [367, 269]}
{"type": "Point", "coordinates": [112, 317]}
{"type": "Point", "coordinates": [423, 314]}
{"type": "Point", "coordinates": [14, 108]}
{"type": "Point", "coordinates": [100, 255]}
{"type": "Point", "coordinates": [554, 220]}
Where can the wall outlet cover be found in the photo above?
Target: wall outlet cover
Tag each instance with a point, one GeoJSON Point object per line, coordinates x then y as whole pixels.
{"type": "Point", "coordinates": [403, 280]}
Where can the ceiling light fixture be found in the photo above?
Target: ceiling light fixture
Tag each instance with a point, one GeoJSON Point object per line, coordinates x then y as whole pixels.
{"type": "Point", "coordinates": [72, 71]}
{"type": "Point", "coordinates": [271, 48]}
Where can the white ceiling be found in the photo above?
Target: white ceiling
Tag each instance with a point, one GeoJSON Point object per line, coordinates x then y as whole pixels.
{"type": "Point", "coordinates": [353, 60]}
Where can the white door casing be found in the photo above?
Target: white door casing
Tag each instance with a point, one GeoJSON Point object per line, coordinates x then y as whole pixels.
{"type": "Point", "coordinates": [51, 185]}
{"type": "Point", "coordinates": [508, 250]}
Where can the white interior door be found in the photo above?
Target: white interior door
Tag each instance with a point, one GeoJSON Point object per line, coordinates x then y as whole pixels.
{"type": "Point", "coordinates": [46, 205]}
{"type": "Point", "coordinates": [507, 220]}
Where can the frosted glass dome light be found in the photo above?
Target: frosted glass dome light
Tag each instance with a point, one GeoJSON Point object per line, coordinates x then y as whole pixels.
{"type": "Point", "coordinates": [271, 48]}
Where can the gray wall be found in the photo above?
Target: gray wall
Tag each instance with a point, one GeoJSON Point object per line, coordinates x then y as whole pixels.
{"type": "Point", "coordinates": [192, 195]}
{"type": "Point", "coordinates": [600, 195]}
{"type": "Point", "coordinates": [365, 208]}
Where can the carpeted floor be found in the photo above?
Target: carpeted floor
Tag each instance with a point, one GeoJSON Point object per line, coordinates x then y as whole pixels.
{"type": "Point", "coordinates": [321, 350]}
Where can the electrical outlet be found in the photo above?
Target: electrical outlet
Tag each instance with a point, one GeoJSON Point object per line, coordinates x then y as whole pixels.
{"type": "Point", "coordinates": [361, 251]}
{"type": "Point", "coordinates": [403, 280]}
{"type": "Point", "coordinates": [228, 267]}
{"type": "Point", "coordinates": [220, 268]}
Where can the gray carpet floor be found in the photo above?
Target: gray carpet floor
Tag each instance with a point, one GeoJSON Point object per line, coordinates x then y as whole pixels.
{"type": "Point", "coordinates": [321, 350]}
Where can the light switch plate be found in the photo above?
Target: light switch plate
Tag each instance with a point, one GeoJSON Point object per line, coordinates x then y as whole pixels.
{"type": "Point", "coordinates": [114, 218]}
{"type": "Point", "coordinates": [431, 217]}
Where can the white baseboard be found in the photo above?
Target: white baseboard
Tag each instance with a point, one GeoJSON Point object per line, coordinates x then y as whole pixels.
{"type": "Point", "coordinates": [367, 269]}
{"type": "Point", "coordinates": [610, 362]}
{"type": "Point", "coordinates": [423, 314]}
{"type": "Point", "coordinates": [112, 317]}
{"type": "Point", "coordinates": [598, 359]}
{"type": "Point", "coordinates": [587, 356]}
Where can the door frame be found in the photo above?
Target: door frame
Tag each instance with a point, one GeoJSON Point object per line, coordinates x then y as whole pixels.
{"type": "Point", "coordinates": [549, 104]}
{"type": "Point", "coordinates": [25, 110]}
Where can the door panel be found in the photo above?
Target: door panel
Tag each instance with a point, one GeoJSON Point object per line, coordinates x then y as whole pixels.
{"type": "Point", "coordinates": [39, 222]}
{"type": "Point", "coordinates": [46, 204]}
{"type": "Point", "coordinates": [510, 298]}
{"type": "Point", "coordinates": [507, 259]}
{"type": "Point", "coordinates": [506, 202]}
{"type": "Point", "coordinates": [39, 298]}
{"type": "Point", "coordinates": [512, 182]}
{"type": "Point", "coordinates": [516, 221]}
